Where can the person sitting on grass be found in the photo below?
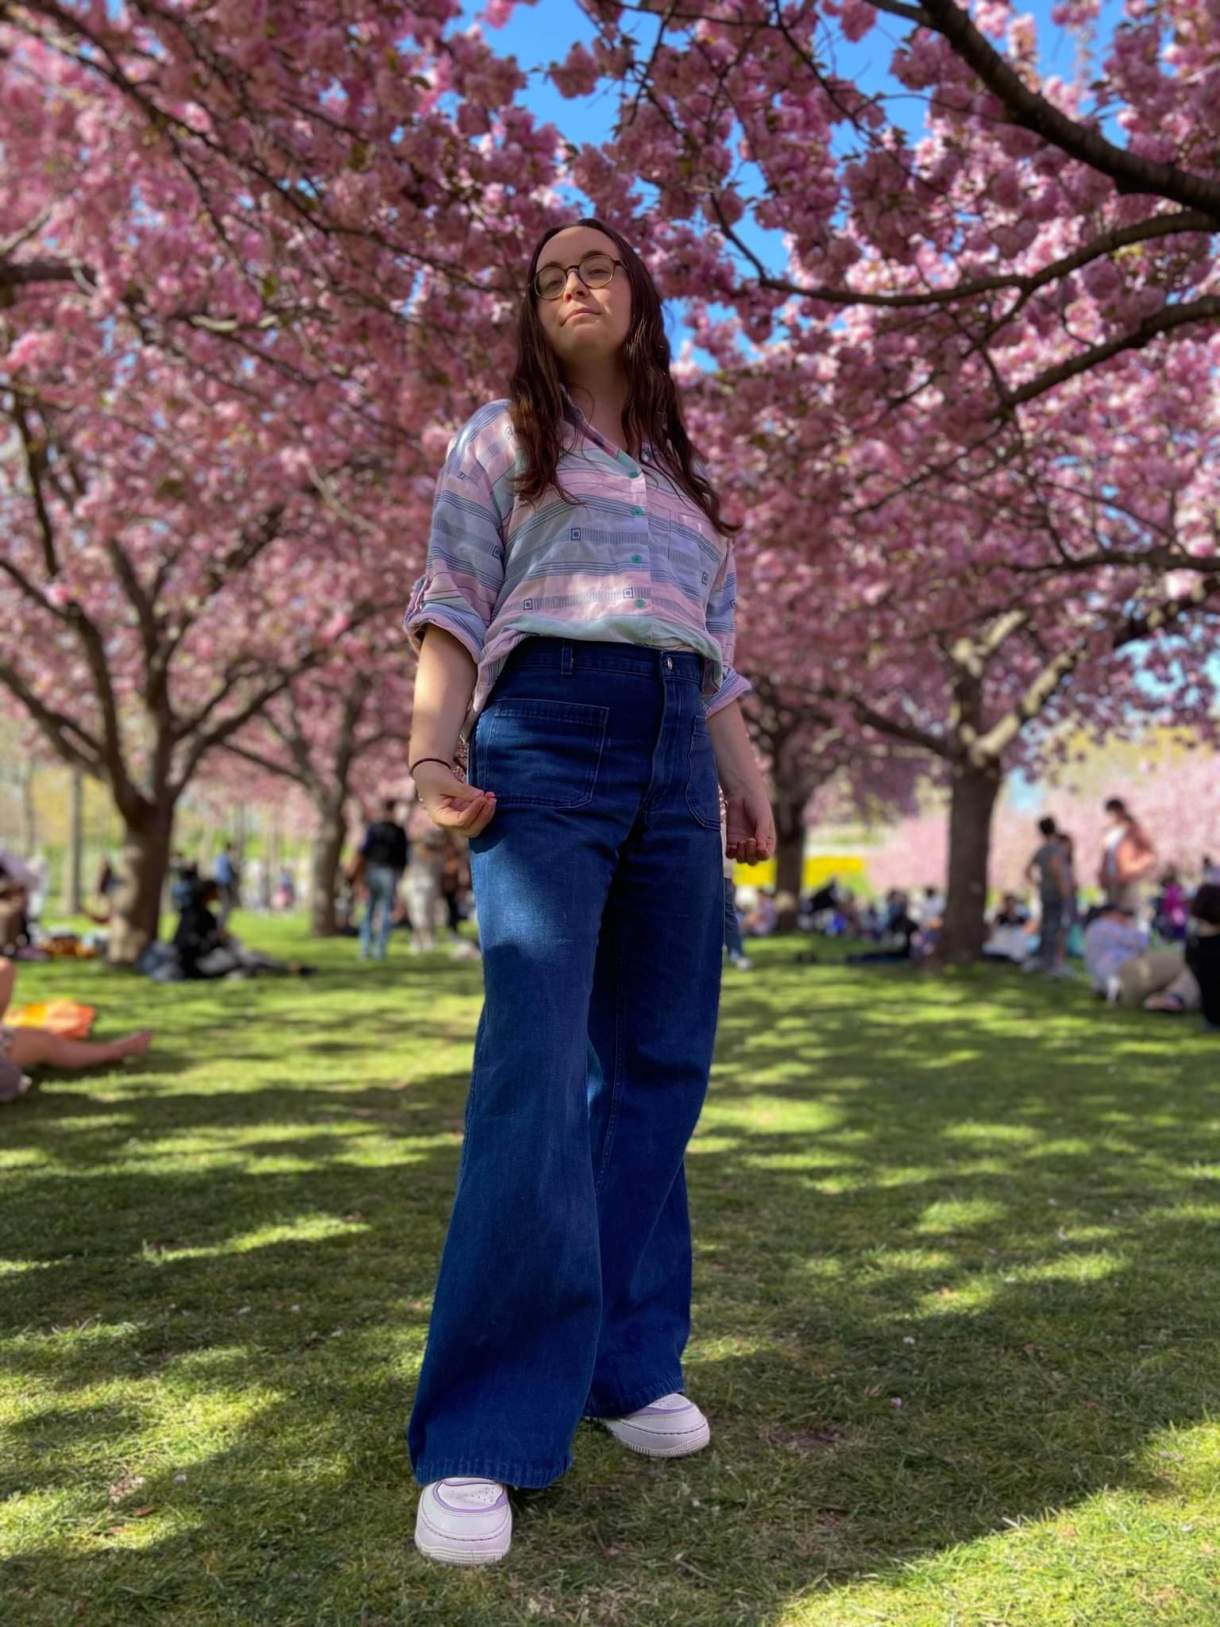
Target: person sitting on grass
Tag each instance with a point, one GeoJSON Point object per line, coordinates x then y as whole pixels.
{"type": "Point", "coordinates": [22, 1048]}
{"type": "Point", "coordinates": [1010, 936]}
{"type": "Point", "coordinates": [207, 949]}
{"type": "Point", "coordinates": [762, 918]}
{"type": "Point", "coordinates": [900, 924]}
{"type": "Point", "coordinates": [14, 904]}
{"type": "Point", "coordinates": [1170, 908]}
{"type": "Point", "coordinates": [1111, 938]}
{"type": "Point", "coordinates": [1203, 951]}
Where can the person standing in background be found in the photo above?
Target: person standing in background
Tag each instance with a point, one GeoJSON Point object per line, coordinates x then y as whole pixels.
{"type": "Point", "coordinates": [228, 880]}
{"type": "Point", "coordinates": [1127, 857]}
{"type": "Point", "coordinates": [1071, 943]}
{"type": "Point", "coordinates": [423, 889]}
{"type": "Point", "coordinates": [384, 853]}
{"type": "Point", "coordinates": [1049, 871]}
{"type": "Point", "coordinates": [455, 884]}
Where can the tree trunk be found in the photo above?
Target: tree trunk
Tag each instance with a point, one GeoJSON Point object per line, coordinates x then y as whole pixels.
{"type": "Point", "coordinates": [971, 806]}
{"type": "Point", "coordinates": [792, 790]}
{"type": "Point", "coordinates": [29, 812]}
{"type": "Point", "coordinates": [789, 869]}
{"type": "Point", "coordinates": [327, 854]}
{"type": "Point", "coordinates": [275, 852]}
{"type": "Point", "coordinates": [74, 891]}
{"type": "Point", "coordinates": [136, 911]}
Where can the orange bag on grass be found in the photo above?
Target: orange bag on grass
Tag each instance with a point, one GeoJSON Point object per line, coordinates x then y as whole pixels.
{"type": "Point", "coordinates": [66, 1017]}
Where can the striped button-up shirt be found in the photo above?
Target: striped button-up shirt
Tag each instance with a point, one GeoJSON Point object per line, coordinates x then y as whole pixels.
{"type": "Point", "coordinates": [629, 558]}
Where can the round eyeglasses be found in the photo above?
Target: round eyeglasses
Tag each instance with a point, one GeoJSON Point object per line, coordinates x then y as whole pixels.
{"type": "Point", "coordinates": [595, 271]}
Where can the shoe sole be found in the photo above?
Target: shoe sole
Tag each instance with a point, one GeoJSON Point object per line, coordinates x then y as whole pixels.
{"type": "Point", "coordinates": [671, 1446]}
{"type": "Point", "coordinates": [434, 1544]}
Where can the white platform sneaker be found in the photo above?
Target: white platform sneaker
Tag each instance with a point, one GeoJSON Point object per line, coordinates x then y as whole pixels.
{"type": "Point", "coordinates": [669, 1428]}
{"type": "Point", "coordinates": [464, 1521]}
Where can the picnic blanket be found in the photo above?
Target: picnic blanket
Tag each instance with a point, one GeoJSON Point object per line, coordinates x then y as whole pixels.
{"type": "Point", "coordinates": [66, 1017]}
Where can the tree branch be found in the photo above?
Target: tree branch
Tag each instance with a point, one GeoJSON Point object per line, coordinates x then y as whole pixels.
{"type": "Point", "coordinates": [57, 727]}
{"type": "Point", "coordinates": [1028, 108]}
{"type": "Point", "coordinates": [1204, 309]}
{"type": "Point", "coordinates": [1025, 283]}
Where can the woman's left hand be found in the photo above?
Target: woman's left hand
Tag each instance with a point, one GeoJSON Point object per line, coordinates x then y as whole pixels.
{"type": "Point", "coordinates": [750, 824]}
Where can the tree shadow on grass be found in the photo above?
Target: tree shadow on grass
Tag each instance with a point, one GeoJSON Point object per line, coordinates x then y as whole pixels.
{"type": "Point", "coordinates": [953, 1206]}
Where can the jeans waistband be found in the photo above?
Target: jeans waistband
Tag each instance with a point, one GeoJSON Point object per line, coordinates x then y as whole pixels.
{"type": "Point", "coordinates": [606, 655]}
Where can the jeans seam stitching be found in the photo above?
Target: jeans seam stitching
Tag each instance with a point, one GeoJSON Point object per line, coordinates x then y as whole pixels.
{"type": "Point", "coordinates": [616, 1071]}
{"type": "Point", "coordinates": [508, 800]}
{"type": "Point", "coordinates": [698, 817]}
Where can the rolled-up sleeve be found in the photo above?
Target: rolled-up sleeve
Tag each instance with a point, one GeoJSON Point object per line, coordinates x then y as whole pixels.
{"type": "Point", "coordinates": [722, 627]}
{"type": "Point", "coordinates": [464, 572]}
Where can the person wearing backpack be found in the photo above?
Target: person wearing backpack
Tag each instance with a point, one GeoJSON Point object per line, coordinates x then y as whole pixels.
{"type": "Point", "coordinates": [384, 853]}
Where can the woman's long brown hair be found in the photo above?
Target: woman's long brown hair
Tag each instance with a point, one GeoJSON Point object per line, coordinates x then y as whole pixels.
{"type": "Point", "coordinates": [652, 414]}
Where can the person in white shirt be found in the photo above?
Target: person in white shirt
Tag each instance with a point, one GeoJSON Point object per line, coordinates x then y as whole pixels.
{"type": "Point", "coordinates": [1128, 856]}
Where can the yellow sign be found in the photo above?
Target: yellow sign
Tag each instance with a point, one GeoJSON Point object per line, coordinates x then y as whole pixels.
{"type": "Point", "coordinates": [848, 868]}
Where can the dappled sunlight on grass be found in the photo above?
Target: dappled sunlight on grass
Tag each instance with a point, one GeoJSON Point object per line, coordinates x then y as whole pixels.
{"type": "Point", "coordinates": [310, 1228]}
{"type": "Point", "coordinates": [952, 1215]}
{"type": "Point", "coordinates": [955, 1319]}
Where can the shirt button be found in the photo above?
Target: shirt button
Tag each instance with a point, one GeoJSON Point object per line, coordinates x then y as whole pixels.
{"type": "Point", "coordinates": [636, 509]}
{"type": "Point", "coordinates": [637, 559]}
{"type": "Point", "coordinates": [640, 603]}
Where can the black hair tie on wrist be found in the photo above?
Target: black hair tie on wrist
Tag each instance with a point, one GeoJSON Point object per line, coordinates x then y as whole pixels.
{"type": "Point", "coordinates": [411, 769]}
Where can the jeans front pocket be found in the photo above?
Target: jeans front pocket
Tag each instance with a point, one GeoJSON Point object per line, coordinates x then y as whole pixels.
{"type": "Point", "coordinates": [702, 785]}
{"type": "Point", "coordinates": [541, 753]}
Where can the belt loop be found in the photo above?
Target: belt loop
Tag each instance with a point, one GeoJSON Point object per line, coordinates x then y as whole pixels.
{"type": "Point", "coordinates": [565, 660]}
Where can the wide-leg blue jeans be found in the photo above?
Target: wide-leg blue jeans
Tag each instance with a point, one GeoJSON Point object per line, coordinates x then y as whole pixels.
{"type": "Point", "coordinates": [565, 1280]}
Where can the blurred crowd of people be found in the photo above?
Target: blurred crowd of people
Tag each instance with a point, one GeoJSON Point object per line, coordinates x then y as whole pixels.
{"type": "Point", "coordinates": [409, 874]}
{"type": "Point", "coordinates": [1150, 938]}
{"type": "Point", "coordinates": [1144, 933]}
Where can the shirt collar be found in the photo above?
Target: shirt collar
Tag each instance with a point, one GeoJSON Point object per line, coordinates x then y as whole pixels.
{"type": "Point", "coordinates": [577, 418]}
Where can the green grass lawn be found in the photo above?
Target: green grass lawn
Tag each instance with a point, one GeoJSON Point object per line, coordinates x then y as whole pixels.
{"type": "Point", "coordinates": [957, 1319]}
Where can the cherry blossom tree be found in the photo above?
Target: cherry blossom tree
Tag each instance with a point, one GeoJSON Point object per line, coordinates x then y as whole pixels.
{"type": "Point", "coordinates": [255, 266]}
{"type": "Point", "coordinates": [1028, 230]}
{"type": "Point", "coordinates": [338, 733]}
{"type": "Point", "coordinates": [162, 579]}
{"type": "Point", "coordinates": [245, 266]}
{"type": "Point", "coordinates": [969, 620]}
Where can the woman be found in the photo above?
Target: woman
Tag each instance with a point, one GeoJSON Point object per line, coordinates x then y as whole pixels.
{"type": "Point", "coordinates": [22, 1048]}
{"type": "Point", "coordinates": [579, 611]}
{"type": "Point", "coordinates": [1127, 857]}
{"type": "Point", "coordinates": [1171, 912]}
{"type": "Point", "coordinates": [207, 949]}
{"type": "Point", "coordinates": [423, 889]}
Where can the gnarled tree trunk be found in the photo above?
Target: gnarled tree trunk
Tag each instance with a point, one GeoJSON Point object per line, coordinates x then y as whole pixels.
{"type": "Point", "coordinates": [789, 867]}
{"type": "Point", "coordinates": [327, 854]}
{"type": "Point", "coordinates": [136, 909]}
{"type": "Point", "coordinates": [971, 806]}
{"type": "Point", "coordinates": [792, 786]}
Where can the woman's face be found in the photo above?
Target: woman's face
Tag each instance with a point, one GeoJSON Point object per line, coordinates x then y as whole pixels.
{"type": "Point", "coordinates": [584, 324]}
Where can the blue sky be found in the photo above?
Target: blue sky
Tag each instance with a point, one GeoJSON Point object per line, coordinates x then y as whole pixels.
{"type": "Point", "coordinates": [540, 34]}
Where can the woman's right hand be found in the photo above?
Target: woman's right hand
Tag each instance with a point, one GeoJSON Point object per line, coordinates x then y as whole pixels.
{"type": "Point", "coordinates": [452, 804]}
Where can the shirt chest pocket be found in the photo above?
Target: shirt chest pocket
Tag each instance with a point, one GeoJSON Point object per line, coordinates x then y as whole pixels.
{"type": "Point", "coordinates": [682, 534]}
